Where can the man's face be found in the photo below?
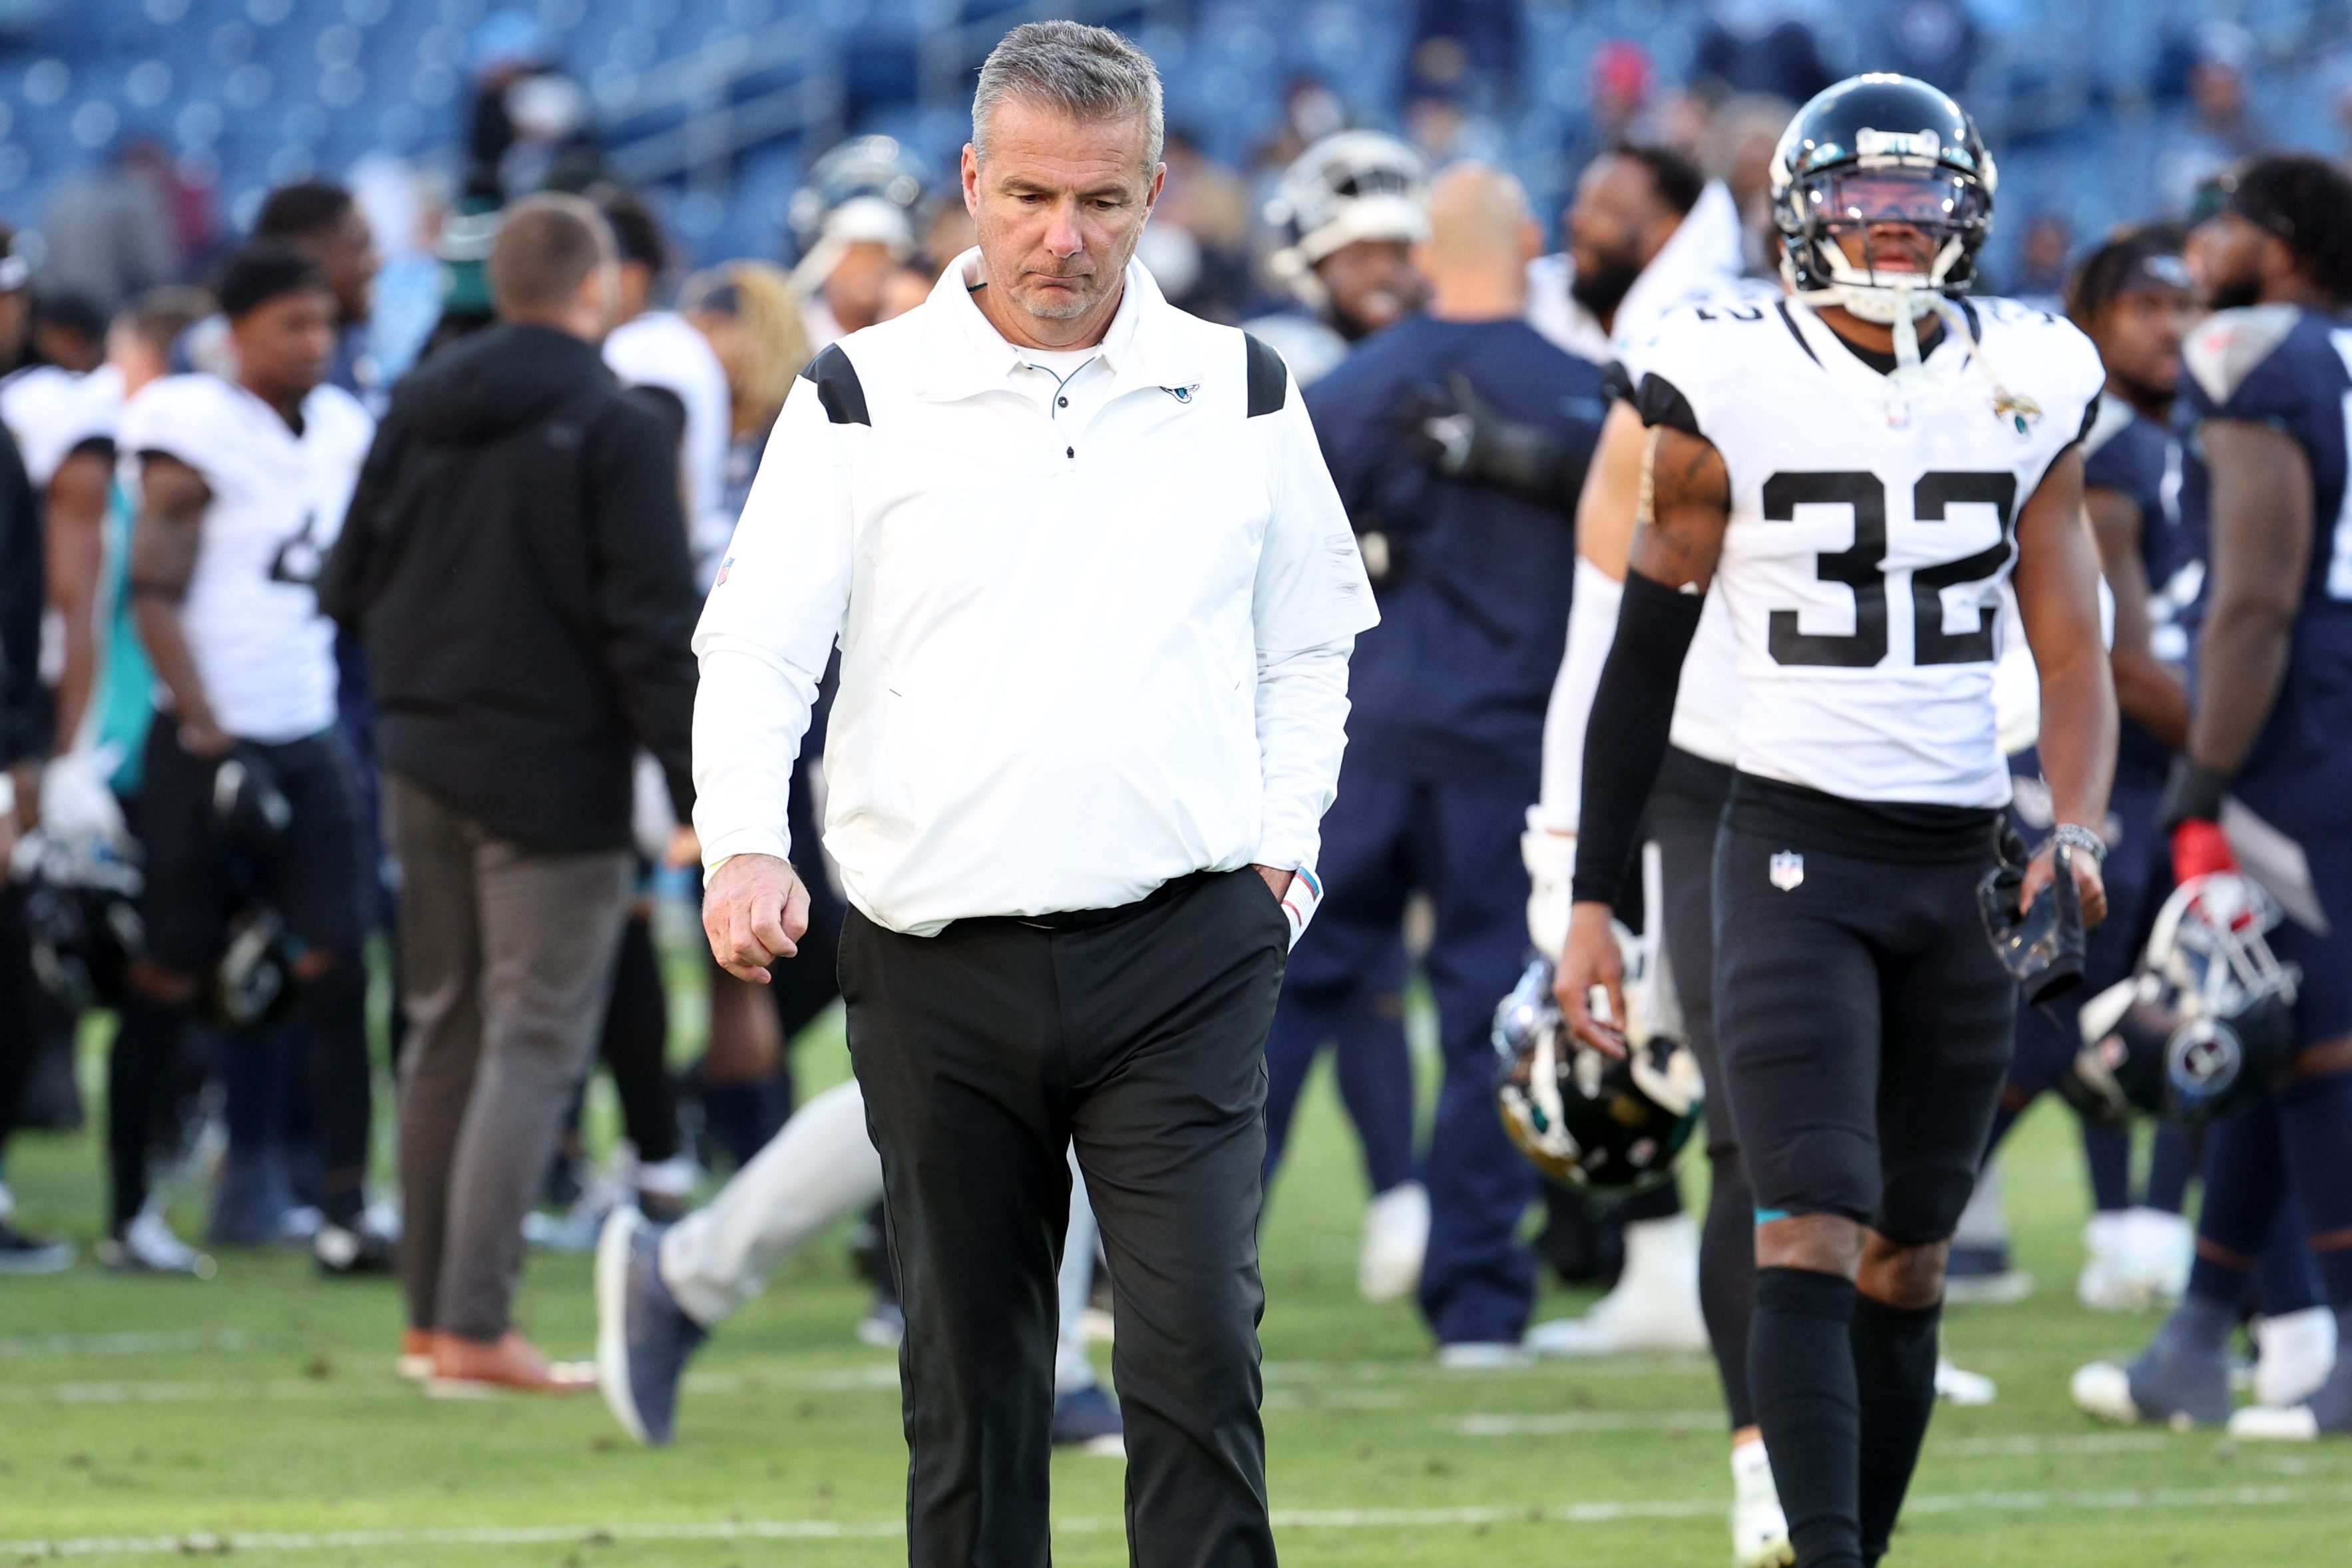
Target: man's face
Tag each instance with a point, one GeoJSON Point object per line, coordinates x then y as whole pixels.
{"type": "Point", "coordinates": [2225, 256]}
{"type": "Point", "coordinates": [284, 345]}
{"type": "Point", "coordinates": [2139, 335]}
{"type": "Point", "coordinates": [1615, 228]}
{"type": "Point", "coordinates": [347, 255]}
{"type": "Point", "coordinates": [1886, 247]}
{"type": "Point", "coordinates": [1059, 204]}
{"type": "Point", "coordinates": [854, 288]}
{"type": "Point", "coordinates": [1372, 284]}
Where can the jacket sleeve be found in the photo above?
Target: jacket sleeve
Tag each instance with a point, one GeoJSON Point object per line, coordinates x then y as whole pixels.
{"type": "Point", "coordinates": [344, 583]}
{"type": "Point", "coordinates": [24, 714]}
{"type": "Point", "coordinates": [779, 604]}
{"type": "Point", "coordinates": [643, 590]}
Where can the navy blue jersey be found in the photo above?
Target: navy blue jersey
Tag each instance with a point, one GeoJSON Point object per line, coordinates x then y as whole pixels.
{"type": "Point", "coordinates": [2290, 369]}
{"type": "Point", "coordinates": [2131, 454]}
{"type": "Point", "coordinates": [1473, 615]}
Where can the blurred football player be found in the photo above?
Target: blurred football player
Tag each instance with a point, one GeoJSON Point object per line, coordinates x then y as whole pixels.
{"type": "Point", "coordinates": [1350, 209]}
{"type": "Point", "coordinates": [1679, 1291]}
{"type": "Point", "coordinates": [2266, 777]}
{"type": "Point", "coordinates": [853, 223]}
{"type": "Point", "coordinates": [1862, 467]}
{"type": "Point", "coordinates": [1445, 735]}
{"type": "Point", "coordinates": [243, 488]}
{"type": "Point", "coordinates": [2131, 296]}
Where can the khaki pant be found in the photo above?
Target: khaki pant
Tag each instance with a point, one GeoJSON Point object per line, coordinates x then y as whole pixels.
{"type": "Point", "coordinates": [506, 965]}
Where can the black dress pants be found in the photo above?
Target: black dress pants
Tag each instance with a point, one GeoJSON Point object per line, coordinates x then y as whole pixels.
{"type": "Point", "coordinates": [985, 1051]}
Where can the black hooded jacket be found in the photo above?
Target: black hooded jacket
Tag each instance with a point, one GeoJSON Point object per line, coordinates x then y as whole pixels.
{"type": "Point", "coordinates": [515, 560]}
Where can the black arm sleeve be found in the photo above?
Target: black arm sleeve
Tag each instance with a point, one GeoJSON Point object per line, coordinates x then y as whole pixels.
{"type": "Point", "coordinates": [1625, 740]}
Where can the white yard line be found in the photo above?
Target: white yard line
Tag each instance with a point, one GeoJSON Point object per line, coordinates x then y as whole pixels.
{"type": "Point", "coordinates": [196, 1542]}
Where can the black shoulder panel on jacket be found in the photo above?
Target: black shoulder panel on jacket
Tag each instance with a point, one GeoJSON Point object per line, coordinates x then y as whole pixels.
{"type": "Point", "coordinates": [1268, 380]}
{"type": "Point", "coordinates": [837, 386]}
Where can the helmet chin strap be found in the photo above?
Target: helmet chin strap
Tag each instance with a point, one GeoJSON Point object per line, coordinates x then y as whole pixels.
{"type": "Point", "coordinates": [1906, 331]}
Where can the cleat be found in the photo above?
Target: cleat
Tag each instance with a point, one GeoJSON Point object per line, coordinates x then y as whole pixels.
{"type": "Point", "coordinates": [2180, 1388]}
{"type": "Point", "coordinates": [2294, 1353]}
{"type": "Point", "coordinates": [1396, 1237]}
{"type": "Point", "coordinates": [1086, 1419]}
{"type": "Point", "coordinates": [22, 1254]}
{"type": "Point", "coordinates": [644, 1337]}
{"type": "Point", "coordinates": [2103, 1390]}
{"type": "Point", "coordinates": [147, 1245]}
{"type": "Point", "coordinates": [1652, 1308]}
{"type": "Point", "coordinates": [2261, 1423]}
{"type": "Point", "coordinates": [1760, 1530]}
{"type": "Point", "coordinates": [343, 1252]}
{"type": "Point", "coordinates": [1963, 1388]}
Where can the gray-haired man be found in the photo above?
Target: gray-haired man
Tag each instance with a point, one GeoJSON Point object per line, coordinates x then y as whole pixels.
{"type": "Point", "coordinates": [1095, 597]}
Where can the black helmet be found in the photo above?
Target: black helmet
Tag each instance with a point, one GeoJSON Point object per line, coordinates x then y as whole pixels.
{"type": "Point", "coordinates": [1586, 1120]}
{"type": "Point", "coordinates": [250, 813]}
{"type": "Point", "coordinates": [2207, 1023]}
{"type": "Point", "coordinates": [81, 920]}
{"type": "Point", "coordinates": [1879, 149]}
{"type": "Point", "coordinates": [253, 987]}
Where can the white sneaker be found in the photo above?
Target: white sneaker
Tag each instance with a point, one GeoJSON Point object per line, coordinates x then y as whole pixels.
{"type": "Point", "coordinates": [1963, 1388]}
{"type": "Point", "coordinates": [1482, 1355]}
{"type": "Point", "coordinates": [2260, 1424]}
{"type": "Point", "coordinates": [1396, 1238]}
{"type": "Point", "coordinates": [1760, 1530]}
{"type": "Point", "coordinates": [1655, 1306]}
{"type": "Point", "coordinates": [148, 1246]}
{"type": "Point", "coordinates": [2292, 1355]}
{"type": "Point", "coordinates": [2102, 1389]}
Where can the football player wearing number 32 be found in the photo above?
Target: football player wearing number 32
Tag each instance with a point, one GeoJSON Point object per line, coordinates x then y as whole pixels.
{"type": "Point", "coordinates": [1864, 463]}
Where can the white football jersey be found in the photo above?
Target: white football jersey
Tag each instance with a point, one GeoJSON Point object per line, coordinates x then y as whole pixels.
{"type": "Point", "coordinates": [1873, 527]}
{"type": "Point", "coordinates": [266, 655]}
{"type": "Point", "coordinates": [1706, 703]}
{"type": "Point", "coordinates": [662, 348]}
{"type": "Point", "coordinates": [51, 411]}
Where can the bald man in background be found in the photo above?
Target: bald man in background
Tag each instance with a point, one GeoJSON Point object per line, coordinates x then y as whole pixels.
{"type": "Point", "coordinates": [1445, 743]}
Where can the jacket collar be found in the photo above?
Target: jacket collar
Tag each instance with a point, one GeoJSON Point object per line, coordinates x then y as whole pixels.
{"type": "Point", "coordinates": [964, 355]}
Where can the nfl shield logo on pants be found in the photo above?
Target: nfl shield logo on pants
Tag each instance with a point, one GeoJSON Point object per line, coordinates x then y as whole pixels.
{"type": "Point", "coordinates": [1787, 869]}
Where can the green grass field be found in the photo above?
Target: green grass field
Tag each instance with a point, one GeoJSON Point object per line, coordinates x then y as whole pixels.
{"type": "Point", "coordinates": [258, 1414]}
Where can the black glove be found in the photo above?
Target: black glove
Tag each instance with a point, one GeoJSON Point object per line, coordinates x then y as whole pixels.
{"type": "Point", "coordinates": [2044, 946]}
{"type": "Point", "coordinates": [1461, 436]}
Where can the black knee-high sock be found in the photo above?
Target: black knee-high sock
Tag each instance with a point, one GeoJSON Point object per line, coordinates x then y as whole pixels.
{"type": "Point", "coordinates": [338, 1085]}
{"type": "Point", "coordinates": [1895, 1373]}
{"type": "Point", "coordinates": [1800, 1374]}
{"type": "Point", "coordinates": [635, 1045]}
{"type": "Point", "coordinates": [1726, 1280]}
{"type": "Point", "coordinates": [138, 1086]}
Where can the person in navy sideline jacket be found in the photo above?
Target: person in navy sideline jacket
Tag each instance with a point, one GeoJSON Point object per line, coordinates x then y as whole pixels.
{"type": "Point", "coordinates": [1445, 743]}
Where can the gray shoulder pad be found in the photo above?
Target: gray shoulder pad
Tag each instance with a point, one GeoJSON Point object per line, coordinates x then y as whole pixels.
{"type": "Point", "coordinates": [2227, 345]}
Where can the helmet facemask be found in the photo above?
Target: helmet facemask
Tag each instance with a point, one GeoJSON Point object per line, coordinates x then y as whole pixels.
{"type": "Point", "coordinates": [1950, 210]}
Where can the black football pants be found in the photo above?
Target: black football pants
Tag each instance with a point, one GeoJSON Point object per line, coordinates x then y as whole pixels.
{"type": "Point", "coordinates": [984, 1052]}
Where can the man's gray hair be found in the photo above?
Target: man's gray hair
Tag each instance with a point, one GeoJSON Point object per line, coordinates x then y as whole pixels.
{"type": "Point", "coordinates": [1088, 73]}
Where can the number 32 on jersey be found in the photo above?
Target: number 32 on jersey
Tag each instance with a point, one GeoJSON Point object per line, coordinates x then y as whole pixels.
{"type": "Point", "coordinates": [1863, 568]}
